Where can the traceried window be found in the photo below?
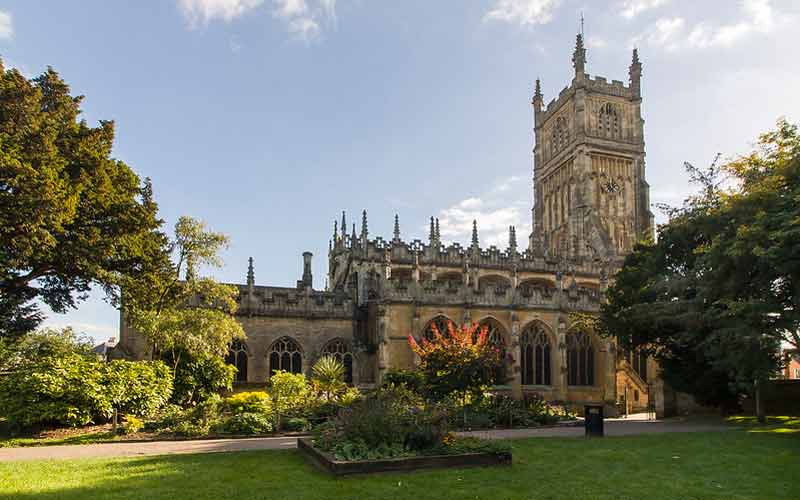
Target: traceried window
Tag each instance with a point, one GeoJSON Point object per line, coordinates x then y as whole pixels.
{"type": "Point", "coordinates": [560, 135]}
{"type": "Point", "coordinates": [237, 356]}
{"type": "Point", "coordinates": [285, 354]}
{"type": "Point", "coordinates": [608, 121]}
{"type": "Point", "coordinates": [441, 323]}
{"type": "Point", "coordinates": [580, 359]}
{"type": "Point", "coordinates": [535, 355]}
{"type": "Point", "coordinates": [495, 333]}
{"type": "Point", "coordinates": [339, 349]}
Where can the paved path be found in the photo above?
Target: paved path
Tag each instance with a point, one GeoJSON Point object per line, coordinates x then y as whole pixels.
{"type": "Point", "coordinates": [613, 427]}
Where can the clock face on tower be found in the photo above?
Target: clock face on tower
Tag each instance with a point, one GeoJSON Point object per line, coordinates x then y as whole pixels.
{"type": "Point", "coordinates": [610, 187]}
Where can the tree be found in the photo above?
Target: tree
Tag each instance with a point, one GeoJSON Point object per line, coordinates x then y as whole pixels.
{"type": "Point", "coordinates": [189, 323]}
{"type": "Point", "coordinates": [460, 361]}
{"type": "Point", "coordinates": [71, 216]}
{"type": "Point", "coordinates": [713, 298]}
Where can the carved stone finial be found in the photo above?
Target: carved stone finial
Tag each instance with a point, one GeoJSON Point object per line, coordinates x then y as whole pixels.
{"type": "Point", "coordinates": [364, 230]}
{"type": "Point", "coordinates": [432, 232]}
{"type": "Point", "coordinates": [512, 239]}
{"type": "Point", "coordinates": [475, 242]}
{"type": "Point", "coordinates": [396, 228]}
{"type": "Point", "coordinates": [579, 56]}
{"type": "Point", "coordinates": [437, 234]}
{"type": "Point", "coordinates": [344, 225]}
{"type": "Point", "coordinates": [251, 275]}
{"type": "Point", "coordinates": [353, 237]}
{"type": "Point", "coordinates": [635, 73]}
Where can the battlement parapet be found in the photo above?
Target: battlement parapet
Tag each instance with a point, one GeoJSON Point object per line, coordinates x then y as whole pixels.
{"type": "Point", "coordinates": [293, 302]}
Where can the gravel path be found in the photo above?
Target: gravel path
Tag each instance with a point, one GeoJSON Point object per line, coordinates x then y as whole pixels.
{"type": "Point", "coordinates": [613, 427]}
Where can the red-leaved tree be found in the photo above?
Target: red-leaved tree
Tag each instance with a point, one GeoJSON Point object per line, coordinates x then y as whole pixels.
{"type": "Point", "coordinates": [461, 361]}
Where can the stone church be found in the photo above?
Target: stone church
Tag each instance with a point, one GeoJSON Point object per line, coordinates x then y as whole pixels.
{"type": "Point", "coordinates": [591, 203]}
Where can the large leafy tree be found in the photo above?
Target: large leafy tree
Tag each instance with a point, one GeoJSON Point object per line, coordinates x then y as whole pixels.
{"type": "Point", "coordinates": [718, 292]}
{"type": "Point", "coordinates": [70, 215]}
{"type": "Point", "coordinates": [189, 321]}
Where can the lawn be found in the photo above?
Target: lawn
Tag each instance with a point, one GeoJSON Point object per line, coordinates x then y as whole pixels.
{"type": "Point", "coordinates": [732, 464]}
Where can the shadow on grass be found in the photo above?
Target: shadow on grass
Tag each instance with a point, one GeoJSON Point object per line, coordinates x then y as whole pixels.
{"type": "Point", "coordinates": [774, 424]}
{"type": "Point", "coordinates": [691, 465]}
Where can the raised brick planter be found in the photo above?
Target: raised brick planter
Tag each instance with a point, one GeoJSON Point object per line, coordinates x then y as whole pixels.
{"type": "Point", "coordinates": [326, 462]}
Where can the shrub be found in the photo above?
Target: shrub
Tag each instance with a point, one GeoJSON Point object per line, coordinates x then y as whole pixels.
{"type": "Point", "coordinates": [413, 380]}
{"type": "Point", "coordinates": [248, 423]}
{"type": "Point", "coordinates": [200, 419]}
{"type": "Point", "coordinates": [387, 418]}
{"type": "Point", "coordinates": [289, 393]}
{"type": "Point", "coordinates": [138, 387]}
{"type": "Point", "coordinates": [64, 390]}
{"type": "Point", "coordinates": [199, 378]}
{"type": "Point", "coordinates": [132, 425]}
{"type": "Point", "coordinates": [328, 377]}
{"type": "Point", "coordinates": [297, 424]}
{"type": "Point", "coordinates": [249, 402]}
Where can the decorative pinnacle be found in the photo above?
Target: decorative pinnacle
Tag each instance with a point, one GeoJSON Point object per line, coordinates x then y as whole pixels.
{"type": "Point", "coordinates": [335, 230]}
{"type": "Point", "coordinates": [396, 227]}
{"type": "Point", "coordinates": [538, 92]}
{"type": "Point", "coordinates": [579, 56]}
{"type": "Point", "coordinates": [432, 234]}
{"type": "Point", "coordinates": [251, 275]}
{"type": "Point", "coordinates": [437, 234]}
{"type": "Point", "coordinates": [364, 231]}
{"type": "Point", "coordinates": [475, 242]}
{"type": "Point", "coordinates": [512, 238]}
{"type": "Point", "coordinates": [635, 57]}
{"type": "Point", "coordinates": [353, 237]}
{"type": "Point", "coordinates": [344, 225]}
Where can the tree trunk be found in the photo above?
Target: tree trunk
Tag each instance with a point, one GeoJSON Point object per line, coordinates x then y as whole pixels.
{"type": "Point", "coordinates": [760, 413]}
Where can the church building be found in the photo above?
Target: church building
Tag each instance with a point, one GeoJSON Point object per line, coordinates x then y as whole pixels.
{"type": "Point", "coordinates": [590, 205]}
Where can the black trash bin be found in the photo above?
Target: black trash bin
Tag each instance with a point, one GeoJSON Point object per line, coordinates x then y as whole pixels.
{"type": "Point", "coordinates": [593, 420]}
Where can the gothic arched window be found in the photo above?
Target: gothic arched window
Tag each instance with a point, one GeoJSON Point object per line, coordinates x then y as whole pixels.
{"type": "Point", "coordinates": [560, 137]}
{"type": "Point", "coordinates": [580, 359]}
{"type": "Point", "coordinates": [237, 356]}
{"type": "Point", "coordinates": [338, 349]}
{"type": "Point", "coordinates": [495, 333]}
{"type": "Point", "coordinates": [442, 323]}
{"type": "Point", "coordinates": [535, 355]}
{"type": "Point", "coordinates": [285, 354]}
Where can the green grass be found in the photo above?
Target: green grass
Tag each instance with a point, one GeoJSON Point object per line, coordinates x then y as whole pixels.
{"type": "Point", "coordinates": [94, 437]}
{"type": "Point", "coordinates": [780, 424]}
{"type": "Point", "coordinates": [724, 465]}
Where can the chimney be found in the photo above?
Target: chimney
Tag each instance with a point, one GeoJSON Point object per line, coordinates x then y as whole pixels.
{"type": "Point", "coordinates": [308, 279]}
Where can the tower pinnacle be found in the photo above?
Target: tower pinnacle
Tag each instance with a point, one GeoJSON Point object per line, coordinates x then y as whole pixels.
{"type": "Point", "coordinates": [579, 56]}
{"type": "Point", "coordinates": [538, 98]}
{"type": "Point", "coordinates": [635, 73]}
{"type": "Point", "coordinates": [396, 238]}
{"type": "Point", "coordinates": [251, 275]}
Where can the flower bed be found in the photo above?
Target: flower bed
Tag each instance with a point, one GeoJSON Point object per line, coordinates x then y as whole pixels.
{"type": "Point", "coordinates": [329, 463]}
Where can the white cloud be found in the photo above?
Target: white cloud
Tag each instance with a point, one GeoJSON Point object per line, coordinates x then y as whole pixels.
{"type": "Point", "coordinates": [6, 27]}
{"type": "Point", "coordinates": [506, 204]}
{"type": "Point", "coordinates": [201, 12]}
{"type": "Point", "coordinates": [632, 8]}
{"type": "Point", "coordinates": [594, 42]}
{"type": "Point", "coordinates": [523, 12]}
{"type": "Point", "coordinates": [674, 33]}
{"type": "Point", "coordinates": [303, 19]}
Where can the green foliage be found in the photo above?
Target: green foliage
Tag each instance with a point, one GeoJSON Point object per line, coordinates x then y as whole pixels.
{"type": "Point", "coordinates": [70, 215]}
{"type": "Point", "coordinates": [189, 322]}
{"type": "Point", "coordinates": [388, 419]}
{"type": "Point", "coordinates": [328, 376]}
{"type": "Point", "coordinates": [138, 388]}
{"type": "Point", "coordinates": [716, 294]}
{"type": "Point", "coordinates": [53, 378]}
{"type": "Point", "coordinates": [460, 361]}
{"type": "Point", "coordinates": [289, 392]}
{"type": "Point", "coordinates": [248, 423]}
{"type": "Point", "coordinates": [296, 424]}
{"type": "Point", "coordinates": [201, 419]}
{"type": "Point", "coordinates": [197, 378]}
{"type": "Point", "coordinates": [413, 380]}
{"type": "Point", "coordinates": [132, 425]}
{"type": "Point", "coordinates": [249, 402]}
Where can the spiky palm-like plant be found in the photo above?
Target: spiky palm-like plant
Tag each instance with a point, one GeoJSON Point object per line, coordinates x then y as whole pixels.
{"type": "Point", "coordinates": [329, 376]}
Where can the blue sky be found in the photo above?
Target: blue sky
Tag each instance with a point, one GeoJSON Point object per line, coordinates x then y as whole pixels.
{"type": "Point", "coordinates": [267, 118]}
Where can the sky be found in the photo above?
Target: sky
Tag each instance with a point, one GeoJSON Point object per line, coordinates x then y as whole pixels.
{"type": "Point", "coordinates": [267, 118]}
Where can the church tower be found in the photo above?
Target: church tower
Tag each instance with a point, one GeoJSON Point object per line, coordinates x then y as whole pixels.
{"type": "Point", "coordinates": [591, 200]}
